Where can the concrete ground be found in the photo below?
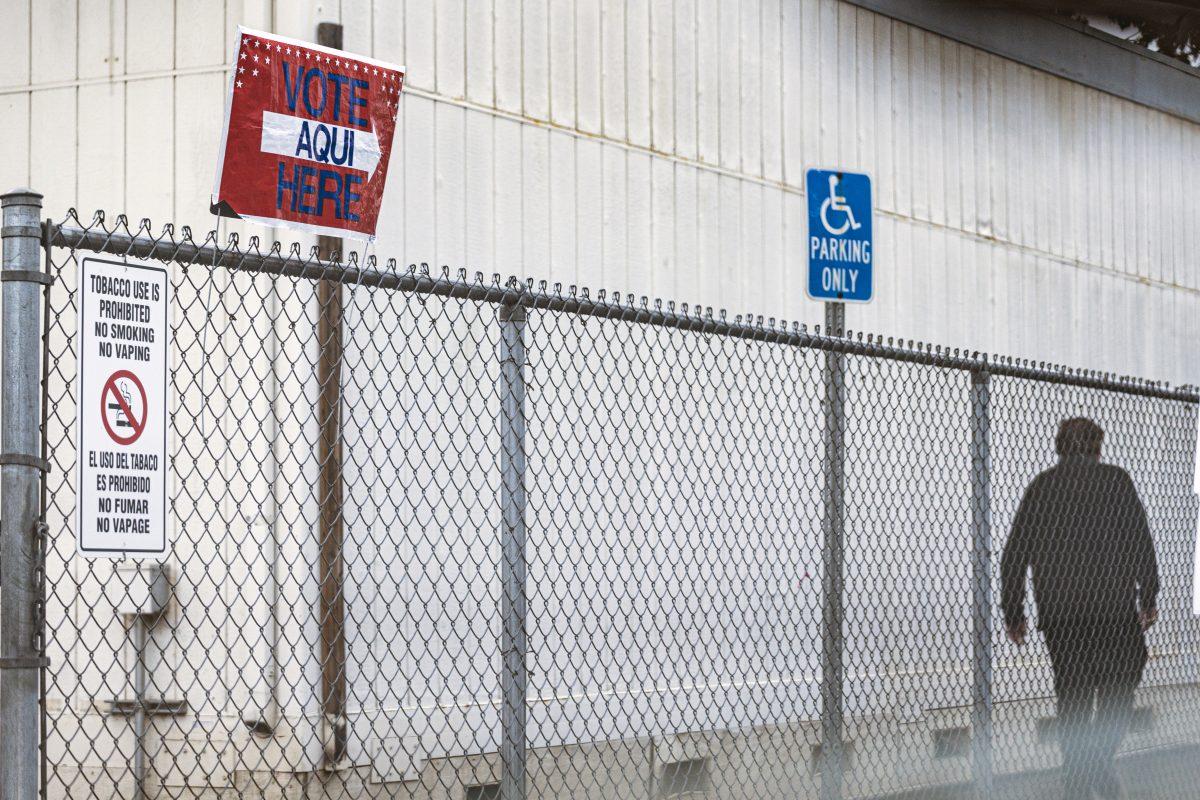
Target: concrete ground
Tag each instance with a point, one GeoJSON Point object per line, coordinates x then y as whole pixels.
{"type": "Point", "coordinates": [1161, 774]}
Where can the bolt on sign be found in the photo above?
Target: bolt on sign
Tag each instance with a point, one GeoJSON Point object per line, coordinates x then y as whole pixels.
{"type": "Point", "coordinates": [308, 135]}
{"type": "Point", "coordinates": [121, 384]}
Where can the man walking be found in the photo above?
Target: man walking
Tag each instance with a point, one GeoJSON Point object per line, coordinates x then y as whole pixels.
{"type": "Point", "coordinates": [1082, 529]}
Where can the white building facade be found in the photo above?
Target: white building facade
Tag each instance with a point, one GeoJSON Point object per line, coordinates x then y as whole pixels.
{"type": "Point", "coordinates": [1024, 205]}
{"type": "Point", "coordinates": [660, 148]}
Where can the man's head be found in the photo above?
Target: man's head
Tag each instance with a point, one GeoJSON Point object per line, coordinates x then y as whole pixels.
{"type": "Point", "coordinates": [1079, 436]}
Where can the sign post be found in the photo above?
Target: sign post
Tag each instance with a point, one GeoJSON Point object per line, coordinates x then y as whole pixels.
{"type": "Point", "coordinates": [308, 136]}
{"type": "Point", "coordinates": [841, 246]}
{"type": "Point", "coordinates": [121, 382]}
{"type": "Point", "coordinates": [840, 271]}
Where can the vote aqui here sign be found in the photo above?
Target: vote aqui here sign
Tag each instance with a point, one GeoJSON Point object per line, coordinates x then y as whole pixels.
{"type": "Point", "coordinates": [308, 135]}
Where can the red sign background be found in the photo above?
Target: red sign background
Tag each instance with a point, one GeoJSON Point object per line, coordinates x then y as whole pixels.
{"type": "Point", "coordinates": [308, 136]}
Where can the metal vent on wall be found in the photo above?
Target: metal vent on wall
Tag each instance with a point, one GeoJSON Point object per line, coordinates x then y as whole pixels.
{"type": "Point", "coordinates": [685, 778]}
{"type": "Point", "coordinates": [485, 791]}
{"type": "Point", "coordinates": [951, 742]}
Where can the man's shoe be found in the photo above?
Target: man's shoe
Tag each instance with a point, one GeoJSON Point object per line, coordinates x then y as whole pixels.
{"type": "Point", "coordinates": [1108, 785]}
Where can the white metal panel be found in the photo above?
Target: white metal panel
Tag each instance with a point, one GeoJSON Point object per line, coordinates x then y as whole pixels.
{"type": "Point", "coordinates": [508, 191]}
{"type": "Point", "coordinates": [450, 53]}
{"type": "Point", "coordinates": [614, 251]}
{"type": "Point", "coordinates": [149, 21]}
{"type": "Point", "coordinates": [685, 92]}
{"type": "Point", "coordinates": [562, 196]}
{"type": "Point", "coordinates": [728, 77]}
{"type": "Point", "coordinates": [480, 80]}
{"type": "Point", "coordinates": [15, 20]}
{"type": "Point", "coordinates": [660, 113]}
{"type": "Point", "coordinates": [562, 62]}
{"type": "Point", "coordinates": [150, 180]}
{"type": "Point", "coordinates": [449, 197]}
{"type": "Point", "coordinates": [197, 141]}
{"type": "Point", "coordinates": [53, 41]}
{"type": "Point", "coordinates": [535, 201]}
{"type": "Point", "coordinates": [708, 77]}
{"type": "Point", "coordinates": [613, 85]}
{"type": "Point", "coordinates": [642, 176]}
{"type": "Point", "coordinates": [750, 88]}
{"type": "Point", "coordinates": [588, 67]}
{"type": "Point", "coordinates": [999, 190]}
{"type": "Point", "coordinates": [535, 53]}
{"type": "Point", "coordinates": [101, 170]}
{"type": "Point", "coordinates": [419, 42]}
{"type": "Point", "coordinates": [200, 23]}
{"type": "Point", "coordinates": [772, 92]}
{"type": "Point", "coordinates": [507, 57]}
{"type": "Point", "coordinates": [478, 231]}
{"type": "Point", "coordinates": [52, 164]}
{"type": "Point", "coordinates": [14, 129]}
{"type": "Point", "coordinates": [101, 43]}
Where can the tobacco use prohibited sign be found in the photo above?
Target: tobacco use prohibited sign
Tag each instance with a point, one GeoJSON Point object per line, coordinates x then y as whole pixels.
{"type": "Point", "coordinates": [122, 400]}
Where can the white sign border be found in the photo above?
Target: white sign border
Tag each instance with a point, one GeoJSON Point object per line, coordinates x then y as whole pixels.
{"type": "Point", "coordinates": [80, 550]}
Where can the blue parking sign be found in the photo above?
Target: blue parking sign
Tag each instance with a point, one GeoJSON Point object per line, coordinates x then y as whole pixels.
{"type": "Point", "coordinates": [841, 253]}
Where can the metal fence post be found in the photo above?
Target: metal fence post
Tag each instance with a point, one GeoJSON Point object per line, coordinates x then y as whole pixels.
{"type": "Point", "coordinates": [981, 582]}
{"type": "Point", "coordinates": [512, 504]}
{"type": "Point", "coordinates": [832, 766]}
{"type": "Point", "coordinates": [22, 465]}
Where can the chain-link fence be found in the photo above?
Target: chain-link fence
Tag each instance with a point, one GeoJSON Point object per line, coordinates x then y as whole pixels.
{"type": "Point", "coordinates": [435, 536]}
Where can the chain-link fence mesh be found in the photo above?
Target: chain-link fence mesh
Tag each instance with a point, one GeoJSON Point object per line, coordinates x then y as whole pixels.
{"type": "Point", "coordinates": [342, 632]}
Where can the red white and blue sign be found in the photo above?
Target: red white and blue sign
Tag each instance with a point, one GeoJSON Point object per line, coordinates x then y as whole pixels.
{"type": "Point", "coordinates": [308, 135]}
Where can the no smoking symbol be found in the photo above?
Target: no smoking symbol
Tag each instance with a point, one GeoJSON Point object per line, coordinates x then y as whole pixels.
{"type": "Point", "coordinates": [117, 407]}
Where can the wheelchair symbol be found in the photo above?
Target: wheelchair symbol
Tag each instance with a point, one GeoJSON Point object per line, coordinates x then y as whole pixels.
{"type": "Point", "coordinates": [836, 202]}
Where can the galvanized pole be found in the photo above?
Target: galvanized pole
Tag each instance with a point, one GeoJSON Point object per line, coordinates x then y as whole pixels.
{"type": "Point", "coordinates": [832, 556]}
{"type": "Point", "coordinates": [512, 503]}
{"type": "Point", "coordinates": [139, 697]}
{"type": "Point", "coordinates": [22, 465]}
{"type": "Point", "coordinates": [981, 582]}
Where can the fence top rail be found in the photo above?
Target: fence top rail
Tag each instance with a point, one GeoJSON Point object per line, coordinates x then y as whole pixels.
{"type": "Point", "coordinates": [122, 240]}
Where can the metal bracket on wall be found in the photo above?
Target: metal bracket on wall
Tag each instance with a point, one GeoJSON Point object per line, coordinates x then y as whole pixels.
{"type": "Point", "coordinates": [24, 460]}
{"type": "Point", "coordinates": [18, 662]}
{"type": "Point", "coordinates": [26, 276]}
{"type": "Point", "coordinates": [156, 708]}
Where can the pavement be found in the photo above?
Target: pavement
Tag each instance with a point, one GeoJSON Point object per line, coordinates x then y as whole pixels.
{"type": "Point", "coordinates": [1160, 774]}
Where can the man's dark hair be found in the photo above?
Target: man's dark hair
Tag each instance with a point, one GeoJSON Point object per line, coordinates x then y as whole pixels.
{"type": "Point", "coordinates": [1079, 436]}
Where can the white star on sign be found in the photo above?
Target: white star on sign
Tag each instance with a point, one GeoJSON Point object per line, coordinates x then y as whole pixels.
{"type": "Point", "coordinates": [239, 84]}
{"type": "Point", "coordinates": [243, 55]}
{"type": "Point", "coordinates": [241, 70]}
{"type": "Point", "coordinates": [268, 59]}
{"type": "Point", "coordinates": [256, 56]}
{"type": "Point", "coordinates": [254, 73]}
{"type": "Point", "coordinates": [288, 51]}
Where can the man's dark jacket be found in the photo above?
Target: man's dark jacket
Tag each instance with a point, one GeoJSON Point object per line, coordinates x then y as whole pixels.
{"type": "Point", "coordinates": [1083, 530]}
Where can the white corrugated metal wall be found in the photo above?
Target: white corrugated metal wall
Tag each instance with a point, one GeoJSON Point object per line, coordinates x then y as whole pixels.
{"type": "Point", "coordinates": [660, 148]}
{"type": "Point", "coordinates": [657, 148]}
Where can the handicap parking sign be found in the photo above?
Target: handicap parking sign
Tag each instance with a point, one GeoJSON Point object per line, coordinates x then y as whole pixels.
{"type": "Point", "coordinates": [840, 247]}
